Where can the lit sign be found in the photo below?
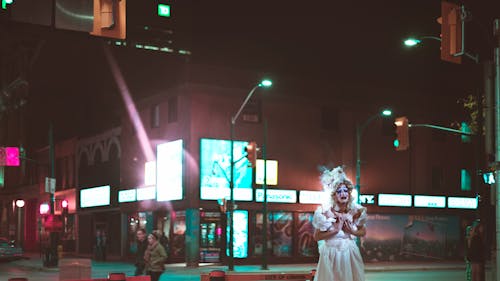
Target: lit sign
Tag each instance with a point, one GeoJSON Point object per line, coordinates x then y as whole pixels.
{"type": "Point", "coordinates": [150, 173]}
{"type": "Point", "coordinates": [312, 197]}
{"type": "Point", "coordinates": [9, 156]}
{"type": "Point", "coordinates": [240, 227]}
{"type": "Point", "coordinates": [146, 193]}
{"type": "Point", "coordinates": [396, 200]}
{"type": "Point", "coordinates": [127, 196]}
{"type": "Point", "coordinates": [429, 201]}
{"type": "Point", "coordinates": [489, 178]}
{"type": "Point", "coordinates": [271, 172]}
{"type": "Point", "coordinates": [95, 196]}
{"type": "Point", "coordinates": [462, 203]}
{"type": "Point", "coordinates": [276, 195]}
{"type": "Point", "coordinates": [170, 165]}
{"type": "Point", "coordinates": [367, 199]}
{"type": "Point", "coordinates": [164, 10]}
{"type": "Point", "coordinates": [215, 167]}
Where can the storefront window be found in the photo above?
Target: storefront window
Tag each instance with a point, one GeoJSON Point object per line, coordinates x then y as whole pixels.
{"type": "Point", "coordinates": [210, 236]}
{"type": "Point", "coordinates": [306, 244]}
{"type": "Point", "coordinates": [280, 225]}
{"type": "Point", "coordinates": [281, 231]}
{"type": "Point", "coordinates": [258, 237]}
{"type": "Point", "coordinates": [178, 234]}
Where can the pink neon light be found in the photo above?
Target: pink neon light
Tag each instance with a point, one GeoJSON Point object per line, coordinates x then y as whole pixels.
{"type": "Point", "coordinates": [12, 156]}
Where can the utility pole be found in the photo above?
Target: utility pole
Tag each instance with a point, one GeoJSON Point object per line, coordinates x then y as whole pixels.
{"type": "Point", "coordinates": [496, 37]}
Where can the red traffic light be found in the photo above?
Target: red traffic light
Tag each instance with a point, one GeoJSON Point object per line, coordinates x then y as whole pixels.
{"type": "Point", "coordinates": [64, 203]}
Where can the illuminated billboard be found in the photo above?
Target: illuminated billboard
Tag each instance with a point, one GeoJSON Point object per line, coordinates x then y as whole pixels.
{"type": "Point", "coordinates": [395, 200]}
{"type": "Point", "coordinates": [240, 227]}
{"type": "Point", "coordinates": [169, 161]}
{"type": "Point", "coordinates": [215, 167]}
{"type": "Point", "coordinates": [271, 172]}
{"type": "Point", "coordinates": [95, 196]}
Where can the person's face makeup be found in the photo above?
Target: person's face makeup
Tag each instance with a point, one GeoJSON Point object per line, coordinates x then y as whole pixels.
{"type": "Point", "coordinates": [342, 194]}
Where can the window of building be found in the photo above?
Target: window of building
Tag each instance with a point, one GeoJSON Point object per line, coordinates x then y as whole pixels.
{"type": "Point", "coordinates": [172, 109]}
{"type": "Point", "coordinates": [465, 180]}
{"type": "Point", "coordinates": [155, 116]}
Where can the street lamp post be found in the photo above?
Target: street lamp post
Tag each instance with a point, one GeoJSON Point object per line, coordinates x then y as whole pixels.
{"type": "Point", "coordinates": [359, 133]}
{"type": "Point", "coordinates": [19, 204]}
{"type": "Point", "coordinates": [230, 210]}
{"type": "Point", "coordinates": [411, 42]}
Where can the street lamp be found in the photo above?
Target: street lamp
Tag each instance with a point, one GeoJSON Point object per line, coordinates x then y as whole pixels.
{"type": "Point", "coordinates": [359, 133]}
{"type": "Point", "coordinates": [19, 204]}
{"type": "Point", "coordinates": [266, 83]}
{"type": "Point", "coordinates": [412, 42]}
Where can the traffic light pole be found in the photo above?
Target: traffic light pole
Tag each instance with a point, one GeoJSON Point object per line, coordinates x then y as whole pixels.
{"type": "Point", "coordinates": [264, 202]}
{"type": "Point", "coordinates": [51, 254]}
{"type": "Point", "coordinates": [359, 134]}
{"type": "Point", "coordinates": [230, 263]}
{"type": "Point", "coordinates": [496, 32]}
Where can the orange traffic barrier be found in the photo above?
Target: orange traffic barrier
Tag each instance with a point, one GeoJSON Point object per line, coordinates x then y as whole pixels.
{"type": "Point", "coordinates": [254, 276]}
{"type": "Point", "coordinates": [139, 278]}
{"type": "Point", "coordinates": [117, 276]}
{"type": "Point", "coordinates": [217, 275]}
{"type": "Point", "coordinates": [111, 277]}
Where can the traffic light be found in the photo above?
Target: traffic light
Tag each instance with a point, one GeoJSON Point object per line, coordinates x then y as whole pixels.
{"type": "Point", "coordinates": [452, 27]}
{"type": "Point", "coordinates": [110, 18]}
{"type": "Point", "coordinates": [222, 204]}
{"type": "Point", "coordinates": [402, 141]}
{"type": "Point", "coordinates": [251, 150]}
{"type": "Point", "coordinates": [64, 207]}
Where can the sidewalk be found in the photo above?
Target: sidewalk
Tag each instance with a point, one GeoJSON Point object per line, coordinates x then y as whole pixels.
{"type": "Point", "coordinates": [102, 269]}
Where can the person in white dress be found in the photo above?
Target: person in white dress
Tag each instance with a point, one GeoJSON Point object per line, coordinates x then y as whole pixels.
{"type": "Point", "coordinates": [337, 224]}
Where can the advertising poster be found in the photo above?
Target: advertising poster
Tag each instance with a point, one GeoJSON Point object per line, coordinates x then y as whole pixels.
{"type": "Point", "coordinates": [410, 237]}
{"type": "Point", "coordinates": [215, 168]}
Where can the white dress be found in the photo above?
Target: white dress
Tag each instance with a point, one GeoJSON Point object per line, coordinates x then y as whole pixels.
{"type": "Point", "coordinates": [339, 256]}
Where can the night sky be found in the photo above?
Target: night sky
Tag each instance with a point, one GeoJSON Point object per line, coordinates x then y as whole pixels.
{"type": "Point", "coordinates": [302, 45]}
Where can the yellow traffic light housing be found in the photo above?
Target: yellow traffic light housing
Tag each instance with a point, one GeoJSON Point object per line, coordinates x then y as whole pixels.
{"type": "Point", "coordinates": [452, 28]}
{"type": "Point", "coordinates": [251, 150]}
{"type": "Point", "coordinates": [110, 18]}
{"type": "Point", "coordinates": [402, 141]}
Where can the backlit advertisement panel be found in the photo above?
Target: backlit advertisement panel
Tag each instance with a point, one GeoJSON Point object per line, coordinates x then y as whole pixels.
{"type": "Point", "coordinates": [95, 196]}
{"type": "Point", "coordinates": [215, 166]}
{"type": "Point", "coordinates": [169, 171]}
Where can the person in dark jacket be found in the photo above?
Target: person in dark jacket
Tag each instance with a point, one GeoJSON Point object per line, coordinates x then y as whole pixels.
{"type": "Point", "coordinates": [476, 251]}
{"type": "Point", "coordinates": [142, 245]}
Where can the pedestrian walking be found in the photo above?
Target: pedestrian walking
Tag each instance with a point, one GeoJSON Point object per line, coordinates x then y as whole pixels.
{"type": "Point", "coordinates": [338, 223]}
{"type": "Point", "coordinates": [154, 257]}
{"type": "Point", "coordinates": [142, 245]}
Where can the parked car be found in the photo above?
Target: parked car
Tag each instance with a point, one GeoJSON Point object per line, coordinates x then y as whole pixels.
{"type": "Point", "coordinates": [8, 250]}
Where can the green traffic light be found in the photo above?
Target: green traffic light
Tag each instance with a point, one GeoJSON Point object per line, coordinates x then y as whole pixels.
{"type": "Point", "coordinates": [396, 143]}
{"type": "Point", "coordinates": [164, 10]}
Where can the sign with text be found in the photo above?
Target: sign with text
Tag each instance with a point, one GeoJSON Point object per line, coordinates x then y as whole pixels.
{"type": "Point", "coordinates": [277, 195]}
